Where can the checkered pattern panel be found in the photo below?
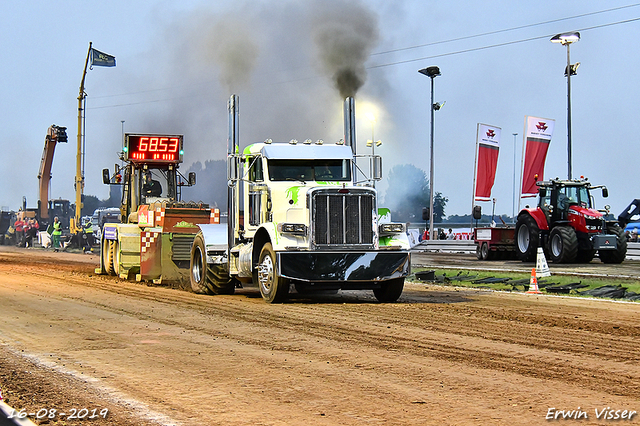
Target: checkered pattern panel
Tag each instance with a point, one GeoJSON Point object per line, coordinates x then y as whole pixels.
{"type": "Point", "coordinates": [146, 239]}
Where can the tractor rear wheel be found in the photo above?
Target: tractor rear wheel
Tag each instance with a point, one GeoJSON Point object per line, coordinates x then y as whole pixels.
{"type": "Point", "coordinates": [563, 244]}
{"type": "Point", "coordinates": [617, 255]}
{"type": "Point", "coordinates": [207, 279]}
{"type": "Point", "coordinates": [107, 256]}
{"type": "Point", "coordinates": [527, 238]}
{"type": "Point", "coordinates": [115, 257]}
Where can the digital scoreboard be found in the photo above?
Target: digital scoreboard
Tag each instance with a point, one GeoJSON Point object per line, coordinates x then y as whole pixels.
{"type": "Point", "coordinates": [153, 148]}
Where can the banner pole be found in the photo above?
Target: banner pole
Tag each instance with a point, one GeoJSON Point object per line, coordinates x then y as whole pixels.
{"type": "Point", "coordinates": [475, 175]}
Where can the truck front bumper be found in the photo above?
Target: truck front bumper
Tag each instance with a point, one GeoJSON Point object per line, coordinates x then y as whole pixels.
{"type": "Point", "coordinates": [361, 266]}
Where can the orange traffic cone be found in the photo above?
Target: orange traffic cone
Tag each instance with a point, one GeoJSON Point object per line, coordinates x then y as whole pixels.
{"type": "Point", "coordinates": [533, 283]}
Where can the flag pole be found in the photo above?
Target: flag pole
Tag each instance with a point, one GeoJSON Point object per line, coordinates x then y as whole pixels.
{"type": "Point", "coordinates": [76, 224]}
{"type": "Point", "coordinates": [475, 176]}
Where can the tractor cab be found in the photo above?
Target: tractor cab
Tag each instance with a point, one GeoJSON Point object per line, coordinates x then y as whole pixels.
{"type": "Point", "coordinates": [556, 198]}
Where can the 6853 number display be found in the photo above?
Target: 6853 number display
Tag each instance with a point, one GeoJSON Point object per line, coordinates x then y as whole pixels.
{"type": "Point", "coordinates": [153, 148]}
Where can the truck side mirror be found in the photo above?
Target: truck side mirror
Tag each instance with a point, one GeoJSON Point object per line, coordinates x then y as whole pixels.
{"type": "Point", "coordinates": [605, 192]}
{"type": "Point", "coordinates": [542, 192]}
{"type": "Point", "coordinates": [106, 179]}
{"type": "Point", "coordinates": [477, 212]}
{"type": "Point", "coordinates": [233, 168]}
{"type": "Point", "coordinates": [377, 167]}
{"type": "Point", "coordinates": [192, 178]}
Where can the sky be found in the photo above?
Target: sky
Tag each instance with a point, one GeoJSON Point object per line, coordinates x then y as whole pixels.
{"type": "Point", "coordinates": [179, 61]}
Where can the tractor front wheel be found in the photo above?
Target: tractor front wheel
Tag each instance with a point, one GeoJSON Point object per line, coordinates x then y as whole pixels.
{"type": "Point", "coordinates": [617, 255]}
{"type": "Point", "coordinates": [563, 244]}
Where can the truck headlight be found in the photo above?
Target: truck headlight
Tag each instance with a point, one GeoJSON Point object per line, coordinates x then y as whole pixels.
{"type": "Point", "coordinates": [292, 228]}
{"type": "Point", "coordinates": [391, 228]}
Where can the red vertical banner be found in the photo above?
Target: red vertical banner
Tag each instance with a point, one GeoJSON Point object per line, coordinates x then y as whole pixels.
{"type": "Point", "coordinates": [487, 148]}
{"type": "Point", "coordinates": [538, 132]}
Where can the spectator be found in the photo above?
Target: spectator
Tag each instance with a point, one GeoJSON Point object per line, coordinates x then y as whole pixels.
{"type": "Point", "coordinates": [33, 231]}
{"type": "Point", "coordinates": [451, 235]}
{"type": "Point", "coordinates": [19, 227]}
{"type": "Point", "coordinates": [88, 238]}
{"type": "Point", "coordinates": [26, 231]}
{"type": "Point", "coordinates": [57, 232]}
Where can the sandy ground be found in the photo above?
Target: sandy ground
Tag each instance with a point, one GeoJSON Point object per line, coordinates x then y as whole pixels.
{"type": "Point", "coordinates": [152, 355]}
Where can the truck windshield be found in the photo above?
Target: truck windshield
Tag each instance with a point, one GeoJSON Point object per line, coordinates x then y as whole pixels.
{"type": "Point", "coordinates": [307, 170]}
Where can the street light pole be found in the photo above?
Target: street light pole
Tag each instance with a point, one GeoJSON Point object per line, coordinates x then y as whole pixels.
{"type": "Point", "coordinates": [514, 177]}
{"type": "Point", "coordinates": [432, 73]}
{"type": "Point", "coordinates": [567, 39]}
{"type": "Point", "coordinates": [569, 174]}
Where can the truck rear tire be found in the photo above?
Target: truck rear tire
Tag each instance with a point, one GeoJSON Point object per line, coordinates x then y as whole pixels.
{"type": "Point", "coordinates": [390, 291]}
{"type": "Point", "coordinates": [618, 255]}
{"type": "Point", "coordinates": [563, 244]}
{"type": "Point", "coordinates": [207, 279]}
{"type": "Point", "coordinates": [527, 238]}
{"type": "Point", "coordinates": [273, 288]}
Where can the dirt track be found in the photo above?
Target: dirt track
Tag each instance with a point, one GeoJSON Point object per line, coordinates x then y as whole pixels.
{"type": "Point", "coordinates": [440, 356]}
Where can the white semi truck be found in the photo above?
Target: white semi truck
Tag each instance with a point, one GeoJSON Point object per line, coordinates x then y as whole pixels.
{"type": "Point", "coordinates": [297, 216]}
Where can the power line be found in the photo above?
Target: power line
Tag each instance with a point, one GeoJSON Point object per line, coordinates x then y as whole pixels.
{"type": "Point", "coordinates": [458, 52]}
{"type": "Point", "coordinates": [507, 43]}
{"type": "Point", "coordinates": [503, 30]}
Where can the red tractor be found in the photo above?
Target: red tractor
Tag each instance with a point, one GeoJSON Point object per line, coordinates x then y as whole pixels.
{"type": "Point", "coordinates": [567, 227]}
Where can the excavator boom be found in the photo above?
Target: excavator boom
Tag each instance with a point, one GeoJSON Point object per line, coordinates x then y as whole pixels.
{"type": "Point", "coordinates": [55, 134]}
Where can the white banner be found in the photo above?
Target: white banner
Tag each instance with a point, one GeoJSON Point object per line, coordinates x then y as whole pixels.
{"type": "Point", "coordinates": [540, 128]}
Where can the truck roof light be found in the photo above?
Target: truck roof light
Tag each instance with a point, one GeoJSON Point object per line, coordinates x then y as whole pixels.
{"type": "Point", "coordinates": [293, 141]}
{"type": "Point", "coordinates": [319, 142]}
{"type": "Point", "coordinates": [340, 142]}
{"type": "Point", "coordinates": [268, 141]}
{"type": "Point", "coordinates": [307, 142]}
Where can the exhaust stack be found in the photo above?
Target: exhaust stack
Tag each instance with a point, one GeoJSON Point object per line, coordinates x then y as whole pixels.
{"type": "Point", "coordinates": [350, 128]}
{"type": "Point", "coordinates": [232, 171]}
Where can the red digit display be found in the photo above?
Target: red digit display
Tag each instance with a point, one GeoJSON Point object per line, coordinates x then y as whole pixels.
{"type": "Point", "coordinates": [153, 148]}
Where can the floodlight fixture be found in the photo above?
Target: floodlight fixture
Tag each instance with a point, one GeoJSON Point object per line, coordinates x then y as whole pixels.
{"type": "Point", "coordinates": [566, 38]}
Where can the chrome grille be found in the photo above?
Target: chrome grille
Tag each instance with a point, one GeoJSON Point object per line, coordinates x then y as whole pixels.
{"type": "Point", "coordinates": [343, 219]}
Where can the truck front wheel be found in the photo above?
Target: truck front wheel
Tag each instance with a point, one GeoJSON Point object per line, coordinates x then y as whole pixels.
{"type": "Point", "coordinates": [273, 288]}
{"type": "Point", "coordinates": [390, 291]}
